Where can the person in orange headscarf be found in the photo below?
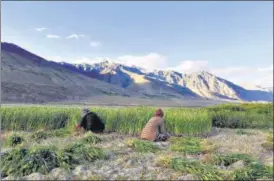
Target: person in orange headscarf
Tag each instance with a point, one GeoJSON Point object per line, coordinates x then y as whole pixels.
{"type": "Point", "coordinates": [154, 129]}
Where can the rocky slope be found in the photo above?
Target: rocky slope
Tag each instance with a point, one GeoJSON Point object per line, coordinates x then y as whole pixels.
{"type": "Point", "coordinates": [132, 78]}
{"type": "Point", "coordinates": [196, 85]}
{"type": "Point", "coordinates": [27, 77]}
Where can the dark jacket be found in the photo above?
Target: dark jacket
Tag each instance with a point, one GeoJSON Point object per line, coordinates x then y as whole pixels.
{"type": "Point", "coordinates": [92, 122]}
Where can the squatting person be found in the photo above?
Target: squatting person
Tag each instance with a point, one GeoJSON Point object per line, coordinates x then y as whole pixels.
{"type": "Point", "coordinates": [154, 129]}
{"type": "Point", "coordinates": [90, 121]}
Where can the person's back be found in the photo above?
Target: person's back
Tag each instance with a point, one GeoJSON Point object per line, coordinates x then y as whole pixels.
{"type": "Point", "coordinates": [90, 118]}
{"type": "Point", "coordinates": [91, 122]}
{"type": "Point", "coordinates": [152, 128]}
{"type": "Point", "coordinates": [96, 125]}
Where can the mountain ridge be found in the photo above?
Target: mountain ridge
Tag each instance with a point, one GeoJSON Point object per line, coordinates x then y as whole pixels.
{"type": "Point", "coordinates": [21, 68]}
{"type": "Point", "coordinates": [28, 78]}
{"type": "Point", "coordinates": [203, 83]}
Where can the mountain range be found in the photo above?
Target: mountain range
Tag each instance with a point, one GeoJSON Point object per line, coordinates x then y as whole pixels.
{"type": "Point", "coordinates": [27, 77]}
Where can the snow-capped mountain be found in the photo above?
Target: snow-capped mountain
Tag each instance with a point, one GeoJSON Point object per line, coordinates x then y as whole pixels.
{"type": "Point", "coordinates": [202, 84]}
{"type": "Point", "coordinates": [248, 86]}
{"type": "Point", "coordinates": [26, 76]}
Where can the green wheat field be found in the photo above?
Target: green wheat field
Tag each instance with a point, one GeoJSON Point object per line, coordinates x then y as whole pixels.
{"type": "Point", "coordinates": [225, 142]}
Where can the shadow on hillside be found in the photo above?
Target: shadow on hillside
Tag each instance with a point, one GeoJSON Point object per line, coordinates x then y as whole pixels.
{"type": "Point", "coordinates": [183, 91]}
{"type": "Point", "coordinates": [257, 95]}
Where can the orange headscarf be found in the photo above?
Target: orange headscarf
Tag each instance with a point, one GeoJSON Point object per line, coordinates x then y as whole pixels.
{"type": "Point", "coordinates": [159, 113]}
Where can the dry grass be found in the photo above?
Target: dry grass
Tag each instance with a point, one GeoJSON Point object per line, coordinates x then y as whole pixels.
{"type": "Point", "coordinates": [228, 141]}
{"type": "Point", "coordinates": [130, 162]}
{"type": "Point", "coordinates": [268, 144]}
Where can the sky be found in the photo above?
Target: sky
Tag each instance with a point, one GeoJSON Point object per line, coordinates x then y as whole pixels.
{"type": "Point", "coordinates": [233, 40]}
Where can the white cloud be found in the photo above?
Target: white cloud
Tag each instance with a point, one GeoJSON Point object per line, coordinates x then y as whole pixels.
{"type": "Point", "coordinates": [232, 71]}
{"type": "Point", "coordinates": [242, 71]}
{"type": "Point", "coordinates": [78, 60]}
{"type": "Point", "coordinates": [40, 29]}
{"type": "Point", "coordinates": [189, 66]}
{"type": "Point", "coordinates": [55, 58]}
{"type": "Point", "coordinates": [262, 76]}
{"type": "Point", "coordinates": [75, 36]}
{"type": "Point", "coordinates": [82, 60]}
{"type": "Point", "coordinates": [265, 81]}
{"type": "Point", "coordinates": [53, 36]}
{"type": "Point", "coordinates": [266, 69]}
{"type": "Point", "coordinates": [94, 43]}
{"type": "Point", "coordinates": [149, 62]}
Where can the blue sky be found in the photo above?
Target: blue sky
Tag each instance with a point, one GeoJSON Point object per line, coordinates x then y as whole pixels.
{"type": "Point", "coordinates": [234, 40]}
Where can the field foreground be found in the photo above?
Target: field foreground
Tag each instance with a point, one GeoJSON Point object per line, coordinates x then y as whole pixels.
{"type": "Point", "coordinates": [225, 154]}
{"type": "Point", "coordinates": [227, 142]}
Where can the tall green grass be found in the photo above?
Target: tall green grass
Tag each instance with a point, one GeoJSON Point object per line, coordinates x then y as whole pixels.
{"type": "Point", "coordinates": [233, 119]}
{"type": "Point", "coordinates": [131, 120]}
{"type": "Point", "coordinates": [121, 120]}
{"type": "Point", "coordinates": [242, 116]}
{"type": "Point", "coordinates": [188, 121]}
{"type": "Point", "coordinates": [246, 107]}
{"type": "Point", "coordinates": [33, 118]}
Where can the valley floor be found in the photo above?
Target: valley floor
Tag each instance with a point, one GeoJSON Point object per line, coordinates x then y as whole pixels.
{"type": "Point", "coordinates": [129, 101]}
{"type": "Point", "coordinates": [125, 162]}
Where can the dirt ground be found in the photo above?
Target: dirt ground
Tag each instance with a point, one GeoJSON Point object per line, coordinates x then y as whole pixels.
{"type": "Point", "coordinates": [126, 163]}
{"type": "Point", "coordinates": [129, 101]}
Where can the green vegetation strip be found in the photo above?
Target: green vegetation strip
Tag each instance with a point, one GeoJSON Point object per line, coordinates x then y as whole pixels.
{"type": "Point", "coordinates": [227, 160]}
{"type": "Point", "coordinates": [131, 120]}
{"type": "Point", "coordinates": [14, 140]}
{"type": "Point", "coordinates": [268, 144]}
{"type": "Point", "coordinates": [203, 171]}
{"type": "Point", "coordinates": [191, 145]}
{"type": "Point", "coordinates": [76, 153]}
{"type": "Point", "coordinates": [40, 135]}
{"type": "Point", "coordinates": [252, 169]}
{"type": "Point", "coordinates": [22, 161]}
{"type": "Point", "coordinates": [142, 145]}
{"type": "Point", "coordinates": [90, 138]}
{"type": "Point", "coordinates": [253, 115]}
{"type": "Point", "coordinates": [121, 120]}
